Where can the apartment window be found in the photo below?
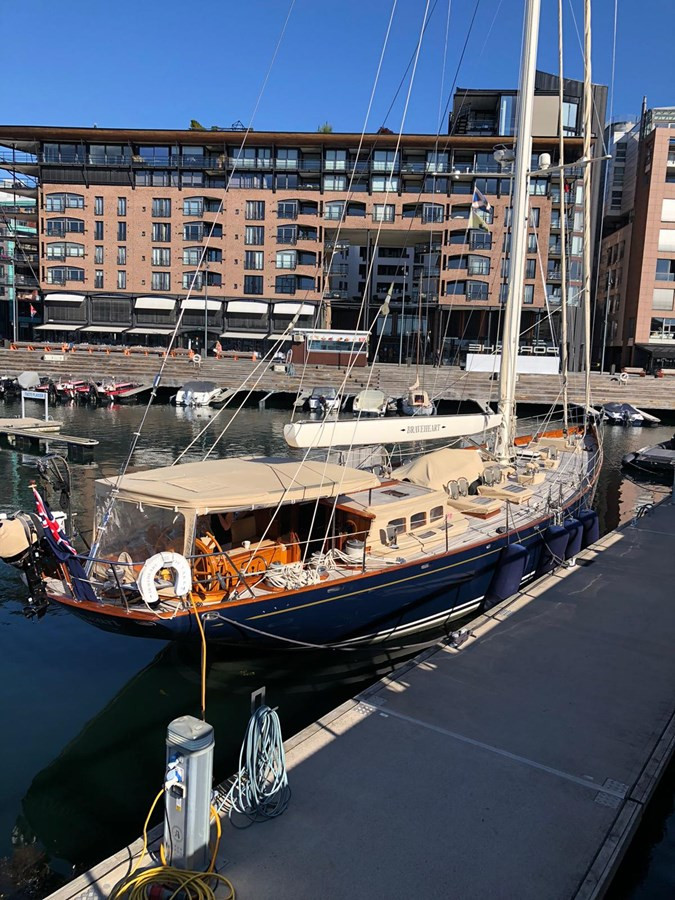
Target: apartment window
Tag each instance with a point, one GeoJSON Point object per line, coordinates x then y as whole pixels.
{"type": "Point", "coordinates": [534, 217]}
{"type": "Point", "coordinates": [98, 279]}
{"type": "Point", "coordinates": [287, 158]}
{"type": "Point", "coordinates": [578, 221]}
{"type": "Point", "coordinates": [121, 206]}
{"type": "Point", "coordinates": [193, 281]}
{"type": "Point", "coordinates": [254, 259]}
{"type": "Point", "coordinates": [161, 207]}
{"type": "Point", "coordinates": [193, 231]}
{"type": "Point", "coordinates": [456, 262]}
{"type": "Point", "coordinates": [287, 209]}
{"type": "Point", "coordinates": [335, 182]}
{"type": "Point", "coordinates": [193, 206]}
{"type": "Point", "coordinates": [253, 284]}
{"type": "Point", "coordinates": [569, 117]}
{"type": "Point", "coordinates": [383, 212]}
{"type": "Point", "coordinates": [121, 256]}
{"type": "Point", "coordinates": [62, 274]}
{"type": "Point", "coordinates": [98, 231]}
{"type": "Point", "coordinates": [121, 280]}
{"type": "Point", "coordinates": [577, 245]}
{"type": "Point", "coordinates": [287, 259]}
{"type": "Point", "coordinates": [531, 268]}
{"type": "Point", "coordinates": [121, 231]}
{"type": "Point", "coordinates": [487, 185]}
{"type": "Point", "coordinates": [161, 281]}
{"type": "Point", "coordinates": [285, 284]}
{"type": "Point", "coordinates": [528, 294]}
{"type": "Point", "coordinates": [476, 290]}
{"type": "Point", "coordinates": [532, 243]}
{"type": "Point", "coordinates": [382, 183]}
{"type": "Point", "coordinates": [61, 251]}
{"type": "Point", "coordinates": [335, 160]}
{"type": "Point", "coordinates": [161, 232]}
{"type": "Point", "coordinates": [254, 235]}
{"type": "Point", "coordinates": [385, 161]}
{"type": "Point", "coordinates": [334, 210]}
{"type": "Point", "coordinates": [161, 256]}
{"type": "Point", "coordinates": [287, 234]}
{"type": "Point", "coordinates": [60, 202]}
{"type": "Point", "coordinates": [435, 185]}
{"type": "Point", "coordinates": [437, 162]}
{"type": "Point", "coordinates": [98, 255]}
{"type": "Point", "coordinates": [665, 269]}
{"type": "Point", "coordinates": [98, 206]}
{"type": "Point", "coordinates": [462, 187]}
{"type": "Point", "coordinates": [433, 212]}
{"type": "Point", "coordinates": [192, 179]}
{"type": "Point", "coordinates": [538, 187]}
{"type": "Point", "coordinates": [255, 210]}
{"type": "Point", "coordinates": [455, 287]}
{"type": "Point", "coordinates": [480, 240]}
{"type": "Point", "coordinates": [479, 265]}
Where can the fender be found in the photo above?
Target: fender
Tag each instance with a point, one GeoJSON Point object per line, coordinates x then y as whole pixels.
{"type": "Point", "coordinates": [182, 582]}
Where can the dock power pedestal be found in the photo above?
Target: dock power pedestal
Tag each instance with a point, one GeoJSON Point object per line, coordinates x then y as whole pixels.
{"type": "Point", "coordinates": [187, 793]}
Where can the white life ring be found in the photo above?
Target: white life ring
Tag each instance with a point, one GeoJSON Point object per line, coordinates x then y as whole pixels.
{"type": "Point", "coordinates": [623, 377]}
{"type": "Point", "coordinates": [182, 582]}
{"type": "Point", "coordinates": [196, 359]}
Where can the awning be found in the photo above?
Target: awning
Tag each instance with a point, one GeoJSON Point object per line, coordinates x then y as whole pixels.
{"type": "Point", "coordinates": [103, 329]}
{"type": "Point", "coordinates": [199, 304]}
{"type": "Point", "coordinates": [249, 335]}
{"type": "Point", "coordinates": [248, 306]}
{"type": "Point", "coordinates": [281, 337]}
{"type": "Point", "coordinates": [55, 326]}
{"type": "Point", "coordinates": [154, 303]}
{"type": "Point", "coordinates": [64, 298]}
{"type": "Point", "coordinates": [146, 329]}
{"type": "Point", "coordinates": [291, 309]}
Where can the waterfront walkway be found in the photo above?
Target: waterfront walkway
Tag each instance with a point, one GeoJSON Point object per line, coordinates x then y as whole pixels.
{"type": "Point", "coordinates": [516, 766]}
{"type": "Point", "coordinates": [445, 383]}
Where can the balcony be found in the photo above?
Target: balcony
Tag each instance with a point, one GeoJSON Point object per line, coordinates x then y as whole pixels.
{"type": "Point", "coordinates": [336, 295]}
{"type": "Point", "coordinates": [554, 274]}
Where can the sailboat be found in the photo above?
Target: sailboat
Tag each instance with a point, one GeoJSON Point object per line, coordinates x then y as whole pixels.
{"type": "Point", "coordinates": [281, 552]}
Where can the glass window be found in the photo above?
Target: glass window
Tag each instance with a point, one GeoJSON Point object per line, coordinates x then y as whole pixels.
{"type": "Point", "coordinates": [437, 514]}
{"type": "Point", "coordinates": [285, 284]}
{"type": "Point", "coordinates": [287, 158]}
{"type": "Point", "coordinates": [62, 274]}
{"type": "Point", "coordinates": [161, 232]}
{"type": "Point", "coordinates": [455, 287]}
{"type": "Point", "coordinates": [534, 216]}
{"type": "Point", "coordinates": [121, 256]}
{"type": "Point", "coordinates": [434, 185]}
{"type": "Point", "coordinates": [253, 284]}
{"type": "Point", "coordinates": [98, 279]}
{"type": "Point", "coordinates": [191, 179]}
{"type": "Point", "coordinates": [98, 231]}
{"type": "Point", "coordinates": [98, 255]}
{"type": "Point", "coordinates": [487, 185]}
{"type": "Point", "coordinates": [577, 245]}
{"type": "Point", "coordinates": [433, 212]}
{"type": "Point", "coordinates": [121, 206]}
{"type": "Point", "coordinates": [662, 299]}
{"type": "Point", "coordinates": [193, 231]}
{"type": "Point", "coordinates": [254, 259]}
{"type": "Point", "coordinates": [476, 290]}
{"type": "Point", "coordinates": [254, 235]}
{"type": "Point", "coordinates": [335, 160]}
{"type": "Point", "coordinates": [334, 210]}
{"type": "Point", "coordinates": [383, 212]}
{"type": "Point", "coordinates": [480, 240]}
{"type": "Point", "coordinates": [121, 280]}
{"type": "Point", "coordinates": [193, 281]}
{"type": "Point", "coordinates": [60, 202]}
{"type": "Point", "coordinates": [479, 265]}
{"type": "Point", "coordinates": [214, 255]}
{"type": "Point", "coordinates": [193, 206]}
{"type": "Point", "coordinates": [569, 117]}
{"type": "Point", "coordinates": [161, 281]}
{"type": "Point", "coordinates": [161, 207]}
{"type": "Point", "coordinates": [532, 243]}
{"type": "Point", "coordinates": [161, 256]}
{"type": "Point", "coordinates": [287, 209]}
{"type": "Point", "coordinates": [417, 520]}
{"type": "Point", "coordinates": [385, 161]}
{"type": "Point", "coordinates": [287, 234]}
{"type": "Point", "coordinates": [437, 162]}
{"type": "Point", "coordinates": [98, 206]}
{"type": "Point", "coordinates": [286, 259]}
{"type": "Point", "coordinates": [191, 256]}
{"type": "Point", "coordinates": [121, 231]}
{"type": "Point", "coordinates": [665, 269]}
{"type": "Point", "coordinates": [382, 183]}
{"type": "Point", "coordinates": [335, 182]}
{"type": "Point", "coordinates": [538, 186]}
{"type": "Point", "coordinates": [531, 268]}
{"type": "Point", "coordinates": [255, 209]}
{"type": "Point", "coordinates": [528, 294]}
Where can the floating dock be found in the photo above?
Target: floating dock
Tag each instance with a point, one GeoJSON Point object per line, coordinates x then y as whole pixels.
{"type": "Point", "coordinates": [518, 765]}
{"type": "Point", "coordinates": [32, 434]}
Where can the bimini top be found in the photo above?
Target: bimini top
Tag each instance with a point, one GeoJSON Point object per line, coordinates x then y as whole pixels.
{"type": "Point", "coordinates": [434, 470]}
{"type": "Point", "coordinates": [238, 483]}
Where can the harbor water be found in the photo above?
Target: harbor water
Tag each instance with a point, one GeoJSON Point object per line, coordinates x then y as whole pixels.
{"type": "Point", "coordinates": [85, 712]}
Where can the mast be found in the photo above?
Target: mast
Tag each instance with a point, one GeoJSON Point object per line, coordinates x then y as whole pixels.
{"type": "Point", "coordinates": [564, 362]}
{"type": "Point", "coordinates": [519, 220]}
{"type": "Point", "coordinates": [588, 109]}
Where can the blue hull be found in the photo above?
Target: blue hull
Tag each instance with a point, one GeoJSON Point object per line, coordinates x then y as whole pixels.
{"type": "Point", "coordinates": [425, 595]}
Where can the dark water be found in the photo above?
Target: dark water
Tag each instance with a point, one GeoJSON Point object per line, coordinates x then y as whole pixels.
{"type": "Point", "coordinates": [85, 712]}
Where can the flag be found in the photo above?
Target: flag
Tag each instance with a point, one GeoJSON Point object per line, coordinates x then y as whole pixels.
{"type": "Point", "coordinates": [63, 550]}
{"type": "Point", "coordinates": [33, 311]}
{"type": "Point", "coordinates": [477, 221]}
{"type": "Point", "coordinates": [480, 201]}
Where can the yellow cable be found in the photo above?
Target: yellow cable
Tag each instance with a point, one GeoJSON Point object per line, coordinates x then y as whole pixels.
{"type": "Point", "coordinates": [203, 636]}
{"type": "Point", "coordinates": [145, 832]}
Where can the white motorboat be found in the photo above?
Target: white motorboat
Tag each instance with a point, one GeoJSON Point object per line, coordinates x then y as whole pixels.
{"type": "Point", "coordinates": [371, 403]}
{"type": "Point", "coordinates": [198, 393]}
{"type": "Point", "coordinates": [323, 401]}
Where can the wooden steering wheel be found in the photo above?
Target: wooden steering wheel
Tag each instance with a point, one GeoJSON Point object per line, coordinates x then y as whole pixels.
{"type": "Point", "coordinates": [206, 568]}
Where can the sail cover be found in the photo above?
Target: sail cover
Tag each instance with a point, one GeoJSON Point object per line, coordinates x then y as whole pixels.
{"type": "Point", "coordinates": [358, 432]}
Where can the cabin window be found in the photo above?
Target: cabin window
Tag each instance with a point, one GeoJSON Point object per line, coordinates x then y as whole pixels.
{"type": "Point", "coordinates": [396, 526]}
{"type": "Point", "coordinates": [436, 514]}
{"type": "Point", "coordinates": [138, 529]}
{"type": "Point", "coordinates": [418, 520]}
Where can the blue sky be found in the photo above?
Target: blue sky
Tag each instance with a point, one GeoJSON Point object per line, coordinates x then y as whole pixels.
{"type": "Point", "coordinates": [160, 64]}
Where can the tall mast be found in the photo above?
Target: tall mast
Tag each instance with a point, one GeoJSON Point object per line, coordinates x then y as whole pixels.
{"type": "Point", "coordinates": [564, 362]}
{"type": "Point", "coordinates": [588, 118]}
{"type": "Point", "coordinates": [519, 217]}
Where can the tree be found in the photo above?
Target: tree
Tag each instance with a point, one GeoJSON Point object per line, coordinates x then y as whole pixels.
{"type": "Point", "coordinates": [196, 126]}
{"type": "Point", "coordinates": [326, 128]}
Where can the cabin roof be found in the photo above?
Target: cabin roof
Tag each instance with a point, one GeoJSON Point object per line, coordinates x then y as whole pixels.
{"type": "Point", "coordinates": [239, 483]}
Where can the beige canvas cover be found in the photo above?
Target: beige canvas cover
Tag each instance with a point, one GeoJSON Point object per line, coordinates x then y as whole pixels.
{"type": "Point", "coordinates": [239, 483]}
{"type": "Point", "coordinates": [435, 469]}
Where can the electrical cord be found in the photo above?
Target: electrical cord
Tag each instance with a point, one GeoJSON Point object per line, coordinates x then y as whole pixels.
{"type": "Point", "coordinates": [260, 788]}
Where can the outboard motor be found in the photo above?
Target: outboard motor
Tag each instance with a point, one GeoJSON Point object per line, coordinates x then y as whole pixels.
{"type": "Point", "coordinates": [20, 546]}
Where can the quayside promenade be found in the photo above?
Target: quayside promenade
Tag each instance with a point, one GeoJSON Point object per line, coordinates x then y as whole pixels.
{"type": "Point", "coordinates": [447, 383]}
{"type": "Point", "coordinates": [518, 765]}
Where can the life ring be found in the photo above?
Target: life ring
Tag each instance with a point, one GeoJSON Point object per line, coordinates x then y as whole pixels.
{"type": "Point", "coordinates": [182, 582]}
{"type": "Point", "coordinates": [196, 358]}
{"type": "Point", "coordinates": [623, 377]}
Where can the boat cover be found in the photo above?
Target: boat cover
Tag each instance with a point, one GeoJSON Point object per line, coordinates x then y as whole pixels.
{"type": "Point", "coordinates": [238, 483]}
{"type": "Point", "coordinates": [435, 469]}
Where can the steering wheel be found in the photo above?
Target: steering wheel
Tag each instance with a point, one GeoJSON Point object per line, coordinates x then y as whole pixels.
{"type": "Point", "coordinates": [206, 568]}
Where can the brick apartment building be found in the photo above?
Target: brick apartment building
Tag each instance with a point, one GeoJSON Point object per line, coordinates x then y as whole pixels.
{"type": "Point", "coordinates": [124, 216]}
{"type": "Point", "coordinates": [636, 282]}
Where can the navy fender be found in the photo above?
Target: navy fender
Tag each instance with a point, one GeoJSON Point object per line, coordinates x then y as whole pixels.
{"type": "Point", "coordinates": [576, 535]}
{"type": "Point", "coordinates": [555, 540]}
{"type": "Point", "coordinates": [591, 523]}
{"type": "Point", "coordinates": [508, 575]}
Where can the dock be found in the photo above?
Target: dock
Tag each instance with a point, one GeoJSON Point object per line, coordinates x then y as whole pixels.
{"type": "Point", "coordinates": [33, 434]}
{"type": "Point", "coordinates": [518, 764]}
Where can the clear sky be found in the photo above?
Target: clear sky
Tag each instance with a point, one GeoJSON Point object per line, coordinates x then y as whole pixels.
{"type": "Point", "coordinates": [161, 63]}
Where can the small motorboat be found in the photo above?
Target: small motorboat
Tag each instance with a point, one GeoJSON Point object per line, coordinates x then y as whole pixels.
{"type": "Point", "coordinates": [323, 401]}
{"type": "Point", "coordinates": [119, 391]}
{"type": "Point", "coordinates": [371, 403]}
{"type": "Point", "coordinates": [657, 460]}
{"type": "Point", "coordinates": [627, 414]}
{"type": "Point", "coordinates": [198, 393]}
{"type": "Point", "coordinates": [417, 403]}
